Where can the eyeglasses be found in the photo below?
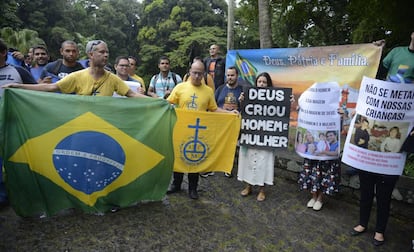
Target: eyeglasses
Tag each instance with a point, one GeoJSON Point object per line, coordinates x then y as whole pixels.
{"type": "Point", "coordinates": [197, 73]}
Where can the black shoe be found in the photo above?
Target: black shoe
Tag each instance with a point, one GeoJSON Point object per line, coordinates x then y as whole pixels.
{"type": "Point", "coordinates": [355, 233]}
{"type": "Point", "coordinates": [377, 243]}
{"type": "Point", "coordinates": [229, 175]}
{"type": "Point", "coordinates": [115, 209]}
{"type": "Point", "coordinates": [4, 202]}
{"type": "Point", "coordinates": [193, 194]}
{"type": "Point", "coordinates": [173, 189]}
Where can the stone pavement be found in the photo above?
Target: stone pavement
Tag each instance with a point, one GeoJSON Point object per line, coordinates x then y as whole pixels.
{"type": "Point", "coordinates": [221, 220]}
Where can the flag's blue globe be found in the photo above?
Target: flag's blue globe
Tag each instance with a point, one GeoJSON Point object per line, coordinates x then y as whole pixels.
{"type": "Point", "coordinates": [88, 160]}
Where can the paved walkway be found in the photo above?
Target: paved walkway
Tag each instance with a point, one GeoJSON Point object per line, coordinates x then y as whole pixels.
{"type": "Point", "coordinates": [221, 220]}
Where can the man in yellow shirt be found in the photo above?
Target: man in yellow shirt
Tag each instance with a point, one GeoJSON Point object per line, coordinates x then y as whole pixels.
{"type": "Point", "coordinates": [131, 71]}
{"type": "Point", "coordinates": [94, 80]}
{"type": "Point", "coordinates": [193, 95]}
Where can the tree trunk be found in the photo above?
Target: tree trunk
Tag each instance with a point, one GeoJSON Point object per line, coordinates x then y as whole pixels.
{"type": "Point", "coordinates": [230, 26]}
{"type": "Point", "coordinates": [265, 29]}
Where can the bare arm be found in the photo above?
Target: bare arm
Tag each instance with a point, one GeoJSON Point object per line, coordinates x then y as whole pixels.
{"type": "Point", "coordinates": [135, 94]}
{"type": "Point", "coordinates": [151, 92]}
{"type": "Point", "coordinates": [36, 87]}
{"type": "Point", "coordinates": [18, 55]}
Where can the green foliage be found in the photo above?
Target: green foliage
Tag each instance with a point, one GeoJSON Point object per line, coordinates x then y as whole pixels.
{"type": "Point", "coordinates": [21, 40]}
{"type": "Point", "coordinates": [246, 28]}
{"type": "Point", "coordinates": [8, 17]}
{"type": "Point", "coordinates": [384, 19]}
{"type": "Point", "coordinates": [175, 12]}
{"type": "Point", "coordinates": [183, 29]}
{"type": "Point", "coordinates": [179, 29]}
{"type": "Point", "coordinates": [60, 34]}
{"type": "Point", "coordinates": [313, 23]}
{"type": "Point", "coordinates": [148, 34]}
{"type": "Point", "coordinates": [409, 166]}
{"type": "Point", "coordinates": [114, 21]}
{"type": "Point", "coordinates": [193, 43]}
{"type": "Point", "coordinates": [149, 60]}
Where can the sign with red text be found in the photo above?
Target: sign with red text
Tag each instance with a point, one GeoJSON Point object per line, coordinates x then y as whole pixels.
{"type": "Point", "coordinates": [384, 115]}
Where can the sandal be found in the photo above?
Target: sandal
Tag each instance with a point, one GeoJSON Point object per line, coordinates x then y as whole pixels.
{"type": "Point", "coordinates": [261, 196]}
{"type": "Point", "coordinates": [246, 191]}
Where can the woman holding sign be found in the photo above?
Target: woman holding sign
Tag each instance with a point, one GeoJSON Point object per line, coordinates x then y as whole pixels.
{"type": "Point", "coordinates": [319, 121]}
{"type": "Point", "coordinates": [256, 166]}
{"type": "Point", "coordinates": [379, 168]}
{"type": "Point", "coordinates": [321, 176]}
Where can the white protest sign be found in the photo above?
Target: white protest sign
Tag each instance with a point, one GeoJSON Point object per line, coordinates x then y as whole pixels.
{"type": "Point", "coordinates": [385, 114]}
{"type": "Point", "coordinates": [317, 135]}
{"type": "Point", "coordinates": [133, 85]}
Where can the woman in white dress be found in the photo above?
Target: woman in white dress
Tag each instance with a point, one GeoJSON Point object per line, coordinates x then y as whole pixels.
{"type": "Point", "coordinates": [256, 166]}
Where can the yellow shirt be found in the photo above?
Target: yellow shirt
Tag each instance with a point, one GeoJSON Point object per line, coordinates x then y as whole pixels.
{"type": "Point", "coordinates": [82, 83]}
{"type": "Point", "coordinates": [140, 80]}
{"type": "Point", "coordinates": [188, 96]}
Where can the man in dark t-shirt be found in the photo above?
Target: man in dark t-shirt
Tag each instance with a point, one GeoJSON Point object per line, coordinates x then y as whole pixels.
{"type": "Point", "coordinates": [361, 137]}
{"type": "Point", "coordinates": [215, 65]}
{"type": "Point", "coordinates": [58, 69]}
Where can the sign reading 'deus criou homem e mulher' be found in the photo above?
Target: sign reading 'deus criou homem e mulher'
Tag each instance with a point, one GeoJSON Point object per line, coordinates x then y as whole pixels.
{"type": "Point", "coordinates": [265, 117]}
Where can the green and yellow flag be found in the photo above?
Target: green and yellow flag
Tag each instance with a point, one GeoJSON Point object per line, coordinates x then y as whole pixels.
{"type": "Point", "coordinates": [247, 71]}
{"type": "Point", "coordinates": [205, 141]}
{"type": "Point", "coordinates": [91, 153]}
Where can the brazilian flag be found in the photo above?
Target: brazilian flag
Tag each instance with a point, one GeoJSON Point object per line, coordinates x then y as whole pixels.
{"type": "Point", "coordinates": [85, 152]}
{"type": "Point", "coordinates": [246, 69]}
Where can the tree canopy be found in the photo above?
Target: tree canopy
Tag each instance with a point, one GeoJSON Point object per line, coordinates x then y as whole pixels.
{"type": "Point", "coordinates": [182, 29]}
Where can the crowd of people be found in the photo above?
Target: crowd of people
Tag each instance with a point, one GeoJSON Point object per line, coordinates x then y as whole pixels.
{"type": "Point", "coordinates": [220, 91]}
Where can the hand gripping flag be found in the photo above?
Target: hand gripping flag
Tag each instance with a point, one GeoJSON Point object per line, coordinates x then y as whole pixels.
{"type": "Point", "coordinates": [205, 141]}
{"type": "Point", "coordinates": [91, 153]}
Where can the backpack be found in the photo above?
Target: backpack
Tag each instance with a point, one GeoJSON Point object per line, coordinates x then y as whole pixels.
{"type": "Point", "coordinates": [174, 77]}
{"type": "Point", "coordinates": [58, 64]}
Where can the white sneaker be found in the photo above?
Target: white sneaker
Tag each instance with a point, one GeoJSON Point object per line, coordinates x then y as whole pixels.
{"type": "Point", "coordinates": [206, 174]}
{"type": "Point", "coordinates": [318, 205]}
{"type": "Point", "coordinates": [396, 194]}
{"type": "Point", "coordinates": [311, 203]}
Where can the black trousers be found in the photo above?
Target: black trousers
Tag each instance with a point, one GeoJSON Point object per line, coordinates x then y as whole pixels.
{"type": "Point", "coordinates": [381, 186]}
{"type": "Point", "coordinates": [192, 180]}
